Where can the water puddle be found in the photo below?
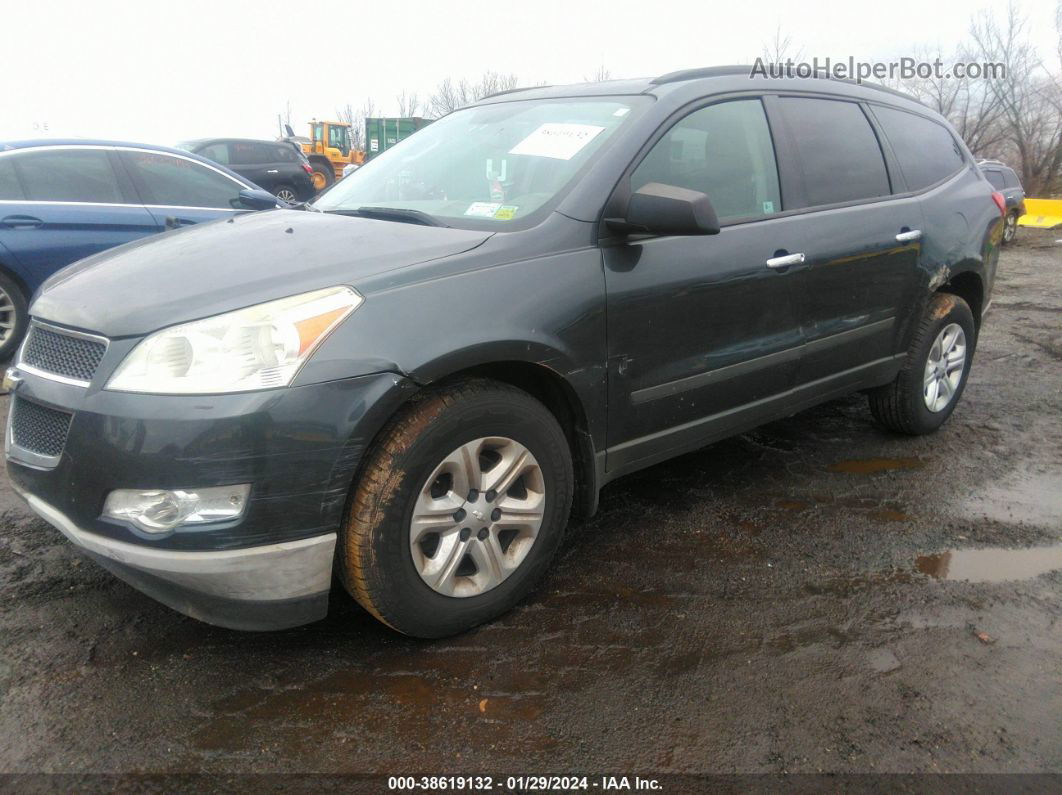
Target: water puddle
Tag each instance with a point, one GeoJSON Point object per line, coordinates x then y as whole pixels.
{"type": "Point", "coordinates": [870, 466]}
{"type": "Point", "coordinates": [991, 565]}
{"type": "Point", "coordinates": [1029, 497]}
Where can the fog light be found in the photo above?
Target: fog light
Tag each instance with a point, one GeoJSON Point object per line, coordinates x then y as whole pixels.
{"type": "Point", "coordinates": [159, 511]}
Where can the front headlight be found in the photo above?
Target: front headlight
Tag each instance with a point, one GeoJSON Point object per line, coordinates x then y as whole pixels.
{"type": "Point", "coordinates": [258, 347]}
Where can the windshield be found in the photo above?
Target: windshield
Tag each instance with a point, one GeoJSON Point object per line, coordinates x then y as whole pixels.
{"type": "Point", "coordinates": [491, 165]}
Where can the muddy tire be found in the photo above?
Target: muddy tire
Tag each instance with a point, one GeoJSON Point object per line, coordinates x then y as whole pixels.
{"type": "Point", "coordinates": [934, 374]}
{"type": "Point", "coordinates": [429, 546]}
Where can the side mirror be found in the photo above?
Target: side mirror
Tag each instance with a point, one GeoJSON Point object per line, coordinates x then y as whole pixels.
{"type": "Point", "coordinates": [257, 199]}
{"type": "Point", "coordinates": [659, 209]}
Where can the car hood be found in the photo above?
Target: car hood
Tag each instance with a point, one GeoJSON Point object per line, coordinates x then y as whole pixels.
{"type": "Point", "coordinates": [217, 267]}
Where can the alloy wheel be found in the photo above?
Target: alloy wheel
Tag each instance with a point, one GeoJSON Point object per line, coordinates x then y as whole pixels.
{"type": "Point", "coordinates": [8, 316]}
{"type": "Point", "coordinates": [944, 367]}
{"type": "Point", "coordinates": [477, 516]}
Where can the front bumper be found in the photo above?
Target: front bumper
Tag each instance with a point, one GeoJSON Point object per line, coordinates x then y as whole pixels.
{"type": "Point", "coordinates": [298, 447]}
{"type": "Point", "coordinates": [259, 588]}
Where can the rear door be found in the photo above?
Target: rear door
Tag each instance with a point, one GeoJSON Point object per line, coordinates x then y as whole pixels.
{"type": "Point", "coordinates": [863, 243]}
{"type": "Point", "coordinates": [702, 332]}
{"type": "Point", "coordinates": [255, 161]}
{"type": "Point", "coordinates": [59, 204]}
{"type": "Point", "coordinates": [180, 191]}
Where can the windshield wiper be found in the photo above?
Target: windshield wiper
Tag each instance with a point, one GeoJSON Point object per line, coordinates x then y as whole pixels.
{"type": "Point", "coordinates": [399, 214]}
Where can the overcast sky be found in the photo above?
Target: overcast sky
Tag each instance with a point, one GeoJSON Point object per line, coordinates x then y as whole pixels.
{"type": "Point", "coordinates": [163, 72]}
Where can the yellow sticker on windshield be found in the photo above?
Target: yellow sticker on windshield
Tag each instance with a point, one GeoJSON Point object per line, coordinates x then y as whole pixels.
{"type": "Point", "coordinates": [506, 212]}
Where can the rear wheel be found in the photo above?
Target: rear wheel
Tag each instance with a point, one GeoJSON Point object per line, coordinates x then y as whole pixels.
{"type": "Point", "coordinates": [934, 373]}
{"type": "Point", "coordinates": [1010, 226]}
{"type": "Point", "coordinates": [285, 192]}
{"type": "Point", "coordinates": [460, 509]}
{"type": "Point", "coordinates": [13, 316]}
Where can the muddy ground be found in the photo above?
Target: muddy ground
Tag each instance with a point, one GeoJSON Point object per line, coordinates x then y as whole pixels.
{"type": "Point", "coordinates": [800, 598]}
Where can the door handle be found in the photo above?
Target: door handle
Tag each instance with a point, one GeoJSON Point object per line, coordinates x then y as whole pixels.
{"type": "Point", "coordinates": [785, 261]}
{"type": "Point", "coordinates": [21, 222]}
{"type": "Point", "coordinates": [909, 236]}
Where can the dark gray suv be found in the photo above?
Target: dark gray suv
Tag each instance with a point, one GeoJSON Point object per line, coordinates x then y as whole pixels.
{"type": "Point", "coordinates": [1006, 182]}
{"type": "Point", "coordinates": [420, 378]}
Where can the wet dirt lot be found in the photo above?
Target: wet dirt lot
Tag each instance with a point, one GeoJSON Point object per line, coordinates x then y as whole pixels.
{"type": "Point", "coordinates": [816, 595]}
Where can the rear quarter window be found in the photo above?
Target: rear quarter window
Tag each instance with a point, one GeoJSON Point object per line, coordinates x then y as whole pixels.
{"type": "Point", "coordinates": [928, 153]}
{"type": "Point", "coordinates": [837, 149]}
{"type": "Point", "coordinates": [996, 179]}
{"type": "Point", "coordinates": [1010, 179]}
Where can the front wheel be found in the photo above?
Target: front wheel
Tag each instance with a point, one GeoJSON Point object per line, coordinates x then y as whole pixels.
{"type": "Point", "coordinates": [459, 511]}
{"type": "Point", "coordinates": [934, 374]}
{"type": "Point", "coordinates": [13, 316]}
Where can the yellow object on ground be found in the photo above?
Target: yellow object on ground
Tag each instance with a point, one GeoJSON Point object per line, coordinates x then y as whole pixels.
{"type": "Point", "coordinates": [1042, 213]}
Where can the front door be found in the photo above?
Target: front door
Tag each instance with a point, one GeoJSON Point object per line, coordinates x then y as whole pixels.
{"type": "Point", "coordinates": [703, 336]}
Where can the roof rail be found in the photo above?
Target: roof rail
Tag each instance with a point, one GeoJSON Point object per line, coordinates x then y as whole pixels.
{"type": "Point", "coordinates": [513, 91]}
{"type": "Point", "coordinates": [737, 69]}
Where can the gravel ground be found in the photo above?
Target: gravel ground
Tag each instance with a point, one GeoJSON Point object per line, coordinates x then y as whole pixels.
{"type": "Point", "coordinates": [801, 598]}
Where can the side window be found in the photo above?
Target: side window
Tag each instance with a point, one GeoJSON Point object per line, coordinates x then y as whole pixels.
{"type": "Point", "coordinates": [219, 153]}
{"type": "Point", "coordinates": [837, 150]}
{"type": "Point", "coordinates": [996, 178]}
{"type": "Point", "coordinates": [167, 180]}
{"type": "Point", "coordinates": [9, 184]}
{"type": "Point", "coordinates": [69, 175]}
{"type": "Point", "coordinates": [927, 151]}
{"type": "Point", "coordinates": [1010, 179]}
{"type": "Point", "coordinates": [724, 151]}
{"type": "Point", "coordinates": [248, 153]}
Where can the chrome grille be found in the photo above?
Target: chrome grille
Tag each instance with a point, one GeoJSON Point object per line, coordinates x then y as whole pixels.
{"type": "Point", "coordinates": [39, 429]}
{"type": "Point", "coordinates": [66, 354]}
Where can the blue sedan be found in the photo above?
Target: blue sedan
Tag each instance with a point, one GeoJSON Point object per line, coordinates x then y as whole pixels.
{"type": "Point", "coordinates": [61, 201]}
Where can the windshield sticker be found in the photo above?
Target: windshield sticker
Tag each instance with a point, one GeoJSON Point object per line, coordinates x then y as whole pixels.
{"type": "Point", "coordinates": [506, 213]}
{"type": "Point", "coordinates": [559, 141]}
{"type": "Point", "coordinates": [622, 112]}
{"type": "Point", "coordinates": [483, 209]}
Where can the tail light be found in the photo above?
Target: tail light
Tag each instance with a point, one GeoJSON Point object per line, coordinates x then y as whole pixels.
{"type": "Point", "coordinates": [1000, 201]}
{"type": "Point", "coordinates": [307, 168]}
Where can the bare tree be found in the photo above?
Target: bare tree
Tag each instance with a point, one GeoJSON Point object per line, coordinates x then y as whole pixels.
{"type": "Point", "coordinates": [356, 120]}
{"type": "Point", "coordinates": [1029, 97]}
{"type": "Point", "coordinates": [449, 96]}
{"type": "Point", "coordinates": [780, 49]}
{"type": "Point", "coordinates": [602, 74]}
{"type": "Point", "coordinates": [408, 104]}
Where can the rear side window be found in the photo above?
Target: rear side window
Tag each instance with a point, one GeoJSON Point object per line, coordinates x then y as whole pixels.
{"type": "Point", "coordinates": [837, 150]}
{"type": "Point", "coordinates": [9, 185]}
{"type": "Point", "coordinates": [173, 181]}
{"type": "Point", "coordinates": [219, 153]}
{"type": "Point", "coordinates": [1010, 179]}
{"type": "Point", "coordinates": [996, 178]}
{"type": "Point", "coordinates": [69, 175]}
{"type": "Point", "coordinates": [249, 153]}
{"type": "Point", "coordinates": [927, 151]}
{"type": "Point", "coordinates": [724, 151]}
